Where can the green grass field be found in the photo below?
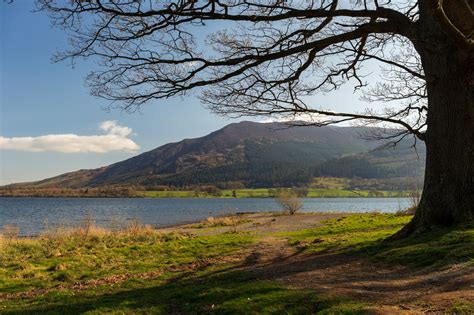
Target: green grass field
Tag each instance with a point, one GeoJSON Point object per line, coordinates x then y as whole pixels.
{"type": "Point", "coordinates": [269, 193]}
{"type": "Point", "coordinates": [321, 187]}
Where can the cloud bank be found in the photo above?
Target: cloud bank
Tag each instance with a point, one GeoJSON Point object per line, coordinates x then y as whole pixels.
{"type": "Point", "coordinates": [115, 139]}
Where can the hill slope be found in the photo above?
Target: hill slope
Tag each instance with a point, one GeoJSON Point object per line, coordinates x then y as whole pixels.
{"type": "Point", "coordinates": [256, 154]}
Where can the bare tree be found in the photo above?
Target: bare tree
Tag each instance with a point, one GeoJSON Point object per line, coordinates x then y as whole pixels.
{"type": "Point", "coordinates": [273, 55]}
{"type": "Point", "coordinates": [289, 201]}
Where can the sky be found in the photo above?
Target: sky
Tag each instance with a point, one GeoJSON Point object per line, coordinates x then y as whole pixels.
{"type": "Point", "coordinates": [50, 124]}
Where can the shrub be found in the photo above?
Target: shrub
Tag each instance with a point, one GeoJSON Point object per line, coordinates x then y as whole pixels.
{"type": "Point", "coordinates": [289, 201]}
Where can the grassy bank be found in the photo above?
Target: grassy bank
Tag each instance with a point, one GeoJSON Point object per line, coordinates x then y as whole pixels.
{"type": "Point", "coordinates": [223, 266]}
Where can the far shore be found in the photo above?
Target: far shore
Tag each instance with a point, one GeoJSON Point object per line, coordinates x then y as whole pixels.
{"type": "Point", "coordinates": [226, 193]}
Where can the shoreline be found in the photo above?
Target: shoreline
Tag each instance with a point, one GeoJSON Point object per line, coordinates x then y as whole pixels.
{"type": "Point", "coordinates": [210, 197]}
{"type": "Point", "coordinates": [186, 225]}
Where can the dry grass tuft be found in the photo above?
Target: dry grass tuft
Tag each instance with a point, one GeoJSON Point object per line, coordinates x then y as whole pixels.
{"type": "Point", "coordinates": [86, 230]}
{"type": "Point", "coordinates": [135, 228]}
{"type": "Point", "coordinates": [225, 221]}
{"type": "Point", "coordinates": [9, 233]}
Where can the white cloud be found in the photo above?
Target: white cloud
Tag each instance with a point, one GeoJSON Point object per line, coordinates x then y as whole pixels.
{"type": "Point", "coordinates": [111, 127]}
{"type": "Point", "coordinates": [115, 139]}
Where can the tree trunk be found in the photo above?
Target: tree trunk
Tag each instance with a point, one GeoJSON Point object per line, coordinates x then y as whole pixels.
{"type": "Point", "coordinates": [448, 193]}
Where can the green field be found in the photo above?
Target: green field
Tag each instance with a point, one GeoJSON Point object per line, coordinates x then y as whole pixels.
{"type": "Point", "coordinates": [269, 193]}
{"type": "Point", "coordinates": [321, 187]}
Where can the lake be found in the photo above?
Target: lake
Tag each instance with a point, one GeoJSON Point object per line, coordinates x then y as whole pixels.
{"type": "Point", "coordinates": [32, 215]}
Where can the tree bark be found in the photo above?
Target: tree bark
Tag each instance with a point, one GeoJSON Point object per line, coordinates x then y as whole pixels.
{"type": "Point", "coordinates": [448, 193]}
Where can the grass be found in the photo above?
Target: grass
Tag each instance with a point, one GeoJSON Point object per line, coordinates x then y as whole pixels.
{"type": "Point", "coordinates": [341, 193]}
{"type": "Point", "coordinates": [364, 234]}
{"type": "Point", "coordinates": [331, 182]}
{"type": "Point", "coordinates": [347, 233]}
{"type": "Point", "coordinates": [215, 291]}
{"type": "Point", "coordinates": [167, 194]}
{"type": "Point", "coordinates": [69, 257]}
{"type": "Point", "coordinates": [461, 307]}
{"type": "Point", "coordinates": [70, 266]}
{"type": "Point", "coordinates": [437, 248]}
{"type": "Point", "coordinates": [141, 271]}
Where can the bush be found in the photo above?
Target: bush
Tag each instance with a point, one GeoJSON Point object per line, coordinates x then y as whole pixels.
{"type": "Point", "coordinates": [289, 201]}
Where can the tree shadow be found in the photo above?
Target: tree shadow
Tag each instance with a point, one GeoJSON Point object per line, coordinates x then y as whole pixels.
{"type": "Point", "coordinates": [227, 291]}
{"type": "Point", "coordinates": [438, 262]}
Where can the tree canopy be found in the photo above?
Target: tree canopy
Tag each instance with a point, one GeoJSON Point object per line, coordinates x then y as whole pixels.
{"type": "Point", "coordinates": [268, 57]}
{"type": "Point", "coordinates": [266, 60]}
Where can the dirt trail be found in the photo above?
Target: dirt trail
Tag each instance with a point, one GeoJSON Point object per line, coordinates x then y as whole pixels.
{"type": "Point", "coordinates": [395, 289]}
{"type": "Point", "coordinates": [398, 289]}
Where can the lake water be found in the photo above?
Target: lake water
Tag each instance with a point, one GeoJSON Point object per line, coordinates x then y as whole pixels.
{"type": "Point", "coordinates": [32, 215]}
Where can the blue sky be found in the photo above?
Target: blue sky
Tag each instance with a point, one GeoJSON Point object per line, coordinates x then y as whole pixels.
{"type": "Point", "coordinates": [39, 98]}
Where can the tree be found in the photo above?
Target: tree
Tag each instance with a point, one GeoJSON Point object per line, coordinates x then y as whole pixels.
{"type": "Point", "coordinates": [275, 54]}
{"type": "Point", "coordinates": [288, 200]}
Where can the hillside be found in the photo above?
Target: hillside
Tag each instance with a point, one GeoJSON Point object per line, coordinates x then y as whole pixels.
{"type": "Point", "coordinates": [255, 155]}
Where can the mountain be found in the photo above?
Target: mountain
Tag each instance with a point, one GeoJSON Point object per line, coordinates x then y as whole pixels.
{"type": "Point", "coordinates": [256, 155]}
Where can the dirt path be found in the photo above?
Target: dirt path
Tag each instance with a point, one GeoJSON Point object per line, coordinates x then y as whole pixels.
{"type": "Point", "coordinates": [394, 289]}
{"type": "Point", "coordinates": [399, 290]}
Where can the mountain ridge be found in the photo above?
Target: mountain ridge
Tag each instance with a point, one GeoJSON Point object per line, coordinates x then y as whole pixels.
{"type": "Point", "coordinates": [255, 154]}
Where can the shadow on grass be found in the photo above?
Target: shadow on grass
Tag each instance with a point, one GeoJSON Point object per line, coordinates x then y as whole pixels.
{"type": "Point", "coordinates": [377, 271]}
{"type": "Point", "coordinates": [366, 236]}
{"type": "Point", "coordinates": [436, 248]}
{"type": "Point", "coordinates": [222, 292]}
